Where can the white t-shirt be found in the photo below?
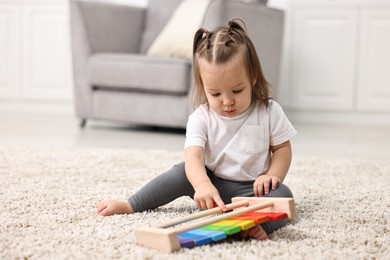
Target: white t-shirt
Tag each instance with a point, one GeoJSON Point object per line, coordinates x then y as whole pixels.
{"type": "Point", "coordinates": [239, 148]}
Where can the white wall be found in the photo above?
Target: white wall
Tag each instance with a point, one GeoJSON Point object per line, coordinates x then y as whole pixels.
{"type": "Point", "coordinates": [35, 71]}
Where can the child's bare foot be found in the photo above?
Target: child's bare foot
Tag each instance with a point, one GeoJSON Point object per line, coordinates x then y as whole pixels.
{"type": "Point", "coordinates": [111, 207]}
{"type": "Point", "coordinates": [257, 232]}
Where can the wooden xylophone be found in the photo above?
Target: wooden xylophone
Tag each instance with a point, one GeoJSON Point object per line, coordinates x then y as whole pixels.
{"type": "Point", "coordinates": [247, 212]}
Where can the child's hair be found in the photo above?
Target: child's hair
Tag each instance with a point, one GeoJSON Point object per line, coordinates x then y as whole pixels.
{"type": "Point", "coordinates": [219, 47]}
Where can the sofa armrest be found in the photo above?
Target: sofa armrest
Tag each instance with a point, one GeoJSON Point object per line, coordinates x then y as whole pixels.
{"type": "Point", "coordinates": [110, 27]}
{"type": "Point", "coordinates": [100, 27]}
{"type": "Point", "coordinates": [265, 28]}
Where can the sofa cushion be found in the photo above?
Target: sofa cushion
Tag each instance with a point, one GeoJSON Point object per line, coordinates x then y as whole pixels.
{"type": "Point", "coordinates": [139, 72]}
{"type": "Point", "coordinates": [157, 15]}
{"type": "Point", "coordinates": [176, 39]}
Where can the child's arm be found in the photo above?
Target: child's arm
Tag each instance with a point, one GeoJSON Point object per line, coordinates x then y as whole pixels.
{"type": "Point", "coordinates": [206, 195]}
{"type": "Point", "coordinates": [280, 163]}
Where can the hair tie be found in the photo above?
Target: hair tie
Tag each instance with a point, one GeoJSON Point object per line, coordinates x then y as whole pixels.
{"type": "Point", "coordinates": [207, 39]}
{"type": "Point", "coordinates": [205, 36]}
{"type": "Point", "coordinates": [229, 27]}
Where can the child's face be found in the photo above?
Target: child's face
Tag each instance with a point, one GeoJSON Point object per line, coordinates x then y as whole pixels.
{"type": "Point", "coordinates": [227, 86]}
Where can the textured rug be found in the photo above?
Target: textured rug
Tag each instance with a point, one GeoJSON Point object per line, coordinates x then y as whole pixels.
{"type": "Point", "coordinates": [48, 199]}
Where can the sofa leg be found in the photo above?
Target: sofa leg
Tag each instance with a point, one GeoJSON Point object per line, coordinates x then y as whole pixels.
{"type": "Point", "coordinates": [83, 122]}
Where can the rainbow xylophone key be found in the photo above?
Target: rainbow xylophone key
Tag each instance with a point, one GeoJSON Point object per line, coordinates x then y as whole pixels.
{"type": "Point", "coordinates": [220, 230]}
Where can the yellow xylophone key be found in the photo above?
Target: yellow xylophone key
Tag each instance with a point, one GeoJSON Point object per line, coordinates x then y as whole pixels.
{"type": "Point", "coordinates": [243, 224]}
{"type": "Point", "coordinates": [230, 230]}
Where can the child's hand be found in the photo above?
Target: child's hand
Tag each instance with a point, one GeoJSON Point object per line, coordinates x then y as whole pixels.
{"type": "Point", "coordinates": [207, 196]}
{"type": "Point", "coordinates": [111, 207]}
{"type": "Point", "coordinates": [263, 183]}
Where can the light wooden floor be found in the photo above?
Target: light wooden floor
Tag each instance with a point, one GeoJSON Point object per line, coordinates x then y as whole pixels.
{"type": "Point", "coordinates": [371, 142]}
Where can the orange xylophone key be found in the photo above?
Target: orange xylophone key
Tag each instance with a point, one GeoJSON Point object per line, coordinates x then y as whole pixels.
{"type": "Point", "coordinates": [257, 218]}
{"type": "Point", "coordinates": [272, 216]}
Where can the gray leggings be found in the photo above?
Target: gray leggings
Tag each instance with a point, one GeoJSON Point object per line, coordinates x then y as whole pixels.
{"type": "Point", "coordinates": [173, 184]}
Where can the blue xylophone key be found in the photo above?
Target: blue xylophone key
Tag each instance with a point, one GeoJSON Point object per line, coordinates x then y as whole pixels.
{"type": "Point", "coordinates": [214, 235]}
{"type": "Point", "coordinates": [199, 240]}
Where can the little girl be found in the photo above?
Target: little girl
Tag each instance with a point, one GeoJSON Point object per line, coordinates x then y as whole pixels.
{"type": "Point", "coordinates": [237, 140]}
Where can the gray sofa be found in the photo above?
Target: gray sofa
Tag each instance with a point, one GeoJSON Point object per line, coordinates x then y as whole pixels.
{"type": "Point", "coordinates": [114, 79]}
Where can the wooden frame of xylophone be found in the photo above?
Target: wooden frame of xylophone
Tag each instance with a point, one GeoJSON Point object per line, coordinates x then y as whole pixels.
{"type": "Point", "coordinates": [164, 236]}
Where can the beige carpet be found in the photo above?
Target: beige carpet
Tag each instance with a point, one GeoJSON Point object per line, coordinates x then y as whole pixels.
{"type": "Point", "coordinates": [48, 199]}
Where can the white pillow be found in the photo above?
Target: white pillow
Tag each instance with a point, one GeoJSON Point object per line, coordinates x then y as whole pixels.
{"type": "Point", "coordinates": [176, 39]}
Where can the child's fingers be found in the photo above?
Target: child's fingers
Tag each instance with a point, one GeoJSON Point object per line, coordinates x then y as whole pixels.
{"type": "Point", "coordinates": [258, 233]}
{"type": "Point", "coordinates": [104, 213]}
{"type": "Point", "coordinates": [220, 203]}
{"type": "Point", "coordinates": [258, 189]}
{"type": "Point", "coordinates": [275, 182]}
{"type": "Point", "coordinates": [201, 204]}
{"type": "Point", "coordinates": [253, 232]}
{"type": "Point", "coordinates": [101, 206]}
{"type": "Point", "coordinates": [209, 204]}
{"type": "Point", "coordinates": [263, 185]}
{"type": "Point", "coordinates": [266, 187]}
{"type": "Point", "coordinates": [198, 204]}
